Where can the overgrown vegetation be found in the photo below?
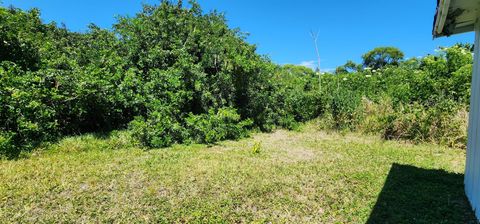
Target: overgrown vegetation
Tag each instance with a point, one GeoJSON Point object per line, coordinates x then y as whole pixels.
{"type": "Point", "coordinates": [420, 99]}
{"type": "Point", "coordinates": [167, 69]}
{"type": "Point", "coordinates": [173, 74]}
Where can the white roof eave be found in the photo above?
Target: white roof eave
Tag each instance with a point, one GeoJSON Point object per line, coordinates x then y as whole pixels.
{"type": "Point", "coordinates": [455, 16]}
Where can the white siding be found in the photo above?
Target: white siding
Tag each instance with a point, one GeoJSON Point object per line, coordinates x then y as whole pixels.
{"type": "Point", "coordinates": [472, 170]}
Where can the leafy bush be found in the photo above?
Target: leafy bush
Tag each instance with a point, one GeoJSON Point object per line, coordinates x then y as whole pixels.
{"type": "Point", "coordinates": [160, 129]}
{"type": "Point", "coordinates": [7, 147]}
{"type": "Point", "coordinates": [344, 110]}
{"type": "Point", "coordinates": [217, 126]}
{"type": "Point", "coordinates": [159, 66]}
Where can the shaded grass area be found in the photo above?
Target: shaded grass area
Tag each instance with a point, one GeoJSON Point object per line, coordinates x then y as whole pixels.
{"type": "Point", "coordinates": [415, 195]}
{"type": "Point", "coordinates": [307, 176]}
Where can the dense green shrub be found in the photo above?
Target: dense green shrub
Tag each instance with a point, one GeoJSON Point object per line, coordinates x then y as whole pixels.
{"type": "Point", "coordinates": [7, 145]}
{"type": "Point", "coordinates": [296, 96]}
{"type": "Point", "coordinates": [217, 126]}
{"type": "Point", "coordinates": [160, 129]}
{"type": "Point", "coordinates": [165, 63]}
{"type": "Point", "coordinates": [344, 110]}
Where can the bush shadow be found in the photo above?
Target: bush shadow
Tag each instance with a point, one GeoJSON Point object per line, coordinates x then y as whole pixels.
{"type": "Point", "coordinates": [416, 195]}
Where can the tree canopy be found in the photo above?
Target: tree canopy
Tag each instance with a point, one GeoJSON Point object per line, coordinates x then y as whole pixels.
{"type": "Point", "coordinates": [382, 56]}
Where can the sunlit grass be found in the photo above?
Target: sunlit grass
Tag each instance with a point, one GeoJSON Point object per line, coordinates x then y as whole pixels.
{"type": "Point", "coordinates": [308, 176]}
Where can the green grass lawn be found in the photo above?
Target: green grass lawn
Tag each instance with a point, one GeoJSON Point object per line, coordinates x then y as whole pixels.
{"type": "Point", "coordinates": [307, 176]}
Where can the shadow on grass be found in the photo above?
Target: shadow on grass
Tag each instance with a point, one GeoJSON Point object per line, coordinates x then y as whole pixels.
{"type": "Point", "coordinates": [415, 195]}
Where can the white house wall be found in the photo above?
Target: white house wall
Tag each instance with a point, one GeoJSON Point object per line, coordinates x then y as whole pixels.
{"type": "Point", "coordinates": [472, 170]}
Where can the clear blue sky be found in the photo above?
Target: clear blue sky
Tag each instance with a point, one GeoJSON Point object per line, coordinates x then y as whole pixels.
{"type": "Point", "coordinates": [280, 28]}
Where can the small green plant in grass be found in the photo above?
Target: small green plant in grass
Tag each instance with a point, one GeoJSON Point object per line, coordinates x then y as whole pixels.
{"type": "Point", "coordinates": [257, 148]}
